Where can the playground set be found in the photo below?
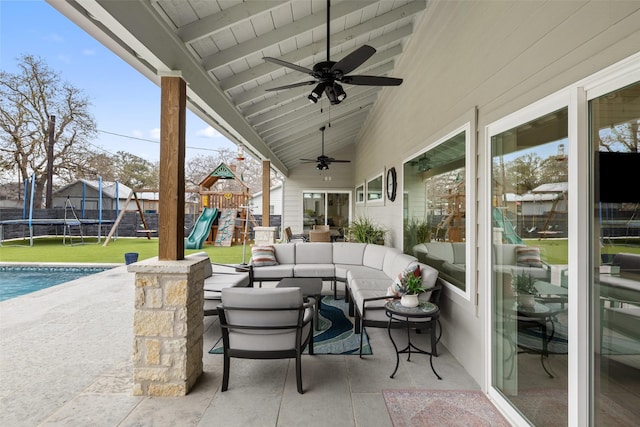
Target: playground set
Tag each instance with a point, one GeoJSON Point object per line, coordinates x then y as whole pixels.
{"type": "Point", "coordinates": [224, 210]}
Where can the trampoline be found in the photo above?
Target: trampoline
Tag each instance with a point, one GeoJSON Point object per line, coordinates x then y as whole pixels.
{"type": "Point", "coordinates": [65, 223]}
{"type": "Point", "coordinates": [28, 220]}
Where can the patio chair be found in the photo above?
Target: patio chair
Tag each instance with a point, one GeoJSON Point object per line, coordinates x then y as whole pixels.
{"type": "Point", "coordinates": [265, 323]}
{"type": "Point", "coordinates": [290, 237]}
{"type": "Point", "coordinates": [320, 233]}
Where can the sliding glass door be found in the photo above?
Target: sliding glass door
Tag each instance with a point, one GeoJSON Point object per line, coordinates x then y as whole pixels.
{"type": "Point", "coordinates": [529, 262]}
{"type": "Point", "coordinates": [615, 256]}
{"type": "Point", "coordinates": [327, 208]}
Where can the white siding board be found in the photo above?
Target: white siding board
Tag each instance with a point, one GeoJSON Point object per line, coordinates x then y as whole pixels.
{"type": "Point", "coordinates": [509, 55]}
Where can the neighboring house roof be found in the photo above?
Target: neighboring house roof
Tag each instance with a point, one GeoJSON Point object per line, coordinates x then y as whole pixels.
{"type": "Point", "coordinates": [109, 189]}
{"type": "Point", "coordinates": [552, 187]}
{"type": "Point", "coordinates": [530, 197]}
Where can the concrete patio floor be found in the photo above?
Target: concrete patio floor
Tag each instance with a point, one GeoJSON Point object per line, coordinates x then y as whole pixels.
{"type": "Point", "coordinates": [65, 359]}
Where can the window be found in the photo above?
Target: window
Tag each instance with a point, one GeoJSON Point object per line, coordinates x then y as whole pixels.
{"type": "Point", "coordinates": [374, 191]}
{"type": "Point", "coordinates": [360, 194]}
{"type": "Point", "coordinates": [435, 214]}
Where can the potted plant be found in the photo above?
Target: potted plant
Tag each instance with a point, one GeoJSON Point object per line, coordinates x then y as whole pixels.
{"type": "Point", "coordinates": [363, 230]}
{"type": "Point", "coordinates": [523, 285]}
{"type": "Point", "coordinates": [410, 290]}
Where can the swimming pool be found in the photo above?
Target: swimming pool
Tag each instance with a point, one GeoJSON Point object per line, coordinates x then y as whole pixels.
{"type": "Point", "coordinates": [20, 280]}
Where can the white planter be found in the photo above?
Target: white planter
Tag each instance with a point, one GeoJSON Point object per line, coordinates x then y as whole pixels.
{"type": "Point", "coordinates": [409, 300]}
{"type": "Point", "coordinates": [526, 300]}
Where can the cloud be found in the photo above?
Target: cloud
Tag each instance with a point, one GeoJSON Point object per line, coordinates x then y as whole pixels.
{"type": "Point", "coordinates": [54, 37]}
{"type": "Point", "coordinates": [155, 133]}
{"type": "Point", "coordinates": [88, 52]}
{"type": "Point", "coordinates": [208, 132]}
{"type": "Point", "coordinates": [137, 133]}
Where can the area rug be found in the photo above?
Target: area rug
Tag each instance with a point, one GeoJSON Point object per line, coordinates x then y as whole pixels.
{"type": "Point", "coordinates": [335, 333]}
{"type": "Point", "coordinates": [434, 408]}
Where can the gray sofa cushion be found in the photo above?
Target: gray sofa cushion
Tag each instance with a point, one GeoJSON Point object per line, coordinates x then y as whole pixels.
{"type": "Point", "coordinates": [441, 250]}
{"type": "Point", "coordinates": [285, 253]}
{"type": "Point", "coordinates": [314, 270]}
{"type": "Point", "coordinates": [381, 285]}
{"type": "Point", "coordinates": [316, 253]}
{"type": "Point", "coordinates": [362, 272]}
{"type": "Point", "coordinates": [388, 265]}
{"type": "Point", "coordinates": [348, 253]}
{"type": "Point", "coordinates": [459, 253]}
{"type": "Point", "coordinates": [400, 263]}
{"type": "Point", "coordinates": [374, 256]}
{"type": "Point", "coordinates": [273, 272]}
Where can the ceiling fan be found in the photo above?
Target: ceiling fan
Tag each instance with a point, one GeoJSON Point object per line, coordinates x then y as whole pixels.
{"type": "Point", "coordinates": [328, 74]}
{"type": "Point", "coordinates": [323, 161]}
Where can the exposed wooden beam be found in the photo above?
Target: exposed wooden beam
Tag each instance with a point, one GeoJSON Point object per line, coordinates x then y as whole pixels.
{"type": "Point", "coordinates": [227, 18]}
{"type": "Point", "coordinates": [266, 193]}
{"type": "Point", "coordinates": [173, 115]}
{"type": "Point", "coordinates": [272, 38]}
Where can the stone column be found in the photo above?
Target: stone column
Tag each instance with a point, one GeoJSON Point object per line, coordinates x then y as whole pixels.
{"type": "Point", "coordinates": [168, 326]}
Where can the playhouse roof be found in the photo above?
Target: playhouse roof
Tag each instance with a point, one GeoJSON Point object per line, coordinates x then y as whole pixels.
{"type": "Point", "coordinates": [221, 172]}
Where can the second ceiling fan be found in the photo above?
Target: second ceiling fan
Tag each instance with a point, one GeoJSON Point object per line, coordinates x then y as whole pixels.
{"type": "Point", "coordinates": [328, 74]}
{"type": "Point", "coordinates": [323, 161]}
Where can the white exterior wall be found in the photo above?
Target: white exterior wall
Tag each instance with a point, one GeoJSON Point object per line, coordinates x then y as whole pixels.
{"type": "Point", "coordinates": [306, 177]}
{"type": "Point", "coordinates": [500, 57]}
{"type": "Point", "coordinates": [275, 201]}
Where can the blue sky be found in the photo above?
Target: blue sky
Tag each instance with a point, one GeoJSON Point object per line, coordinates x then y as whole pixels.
{"type": "Point", "coordinates": [124, 102]}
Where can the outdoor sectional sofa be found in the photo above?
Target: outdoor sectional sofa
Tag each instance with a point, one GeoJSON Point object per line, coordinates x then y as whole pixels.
{"type": "Point", "coordinates": [367, 270]}
{"type": "Point", "coordinates": [449, 259]}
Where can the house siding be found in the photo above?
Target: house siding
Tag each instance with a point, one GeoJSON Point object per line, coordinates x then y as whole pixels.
{"type": "Point", "coordinates": [509, 55]}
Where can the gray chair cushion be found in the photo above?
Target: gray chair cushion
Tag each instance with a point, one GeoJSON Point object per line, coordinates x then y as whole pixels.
{"type": "Point", "coordinates": [219, 281]}
{"type": "Point", "coordinates": [256, 298]}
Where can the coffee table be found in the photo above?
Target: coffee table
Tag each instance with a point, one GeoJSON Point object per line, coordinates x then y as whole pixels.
{"type": "Point", "coordinates": [310, 286]}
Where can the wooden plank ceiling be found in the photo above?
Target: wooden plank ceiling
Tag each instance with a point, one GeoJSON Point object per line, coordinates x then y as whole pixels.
{"type": "Point", "coordinates": [218, 47]}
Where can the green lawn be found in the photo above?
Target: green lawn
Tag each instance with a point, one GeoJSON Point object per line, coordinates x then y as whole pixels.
{"type": "Point", "coordinates": [52, 250]}
{"type": "Point", "coordinates": [555, 251]}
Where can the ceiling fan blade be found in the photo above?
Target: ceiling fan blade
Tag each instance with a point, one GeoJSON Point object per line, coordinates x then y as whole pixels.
{"type": "Point", "coordinates": [371, 81]}
{"type": "Point", "coordinates": [291, 86]}
{"type": "Point", "coordinates": [288, 65]}
{"type": "Point", "coordinates": [338, 161]}
{"type": "Point", "coordinates": [353, 60]}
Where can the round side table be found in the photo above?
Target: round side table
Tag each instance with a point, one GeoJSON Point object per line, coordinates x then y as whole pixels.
{"type": "Point", "coordinates": [425, 312]}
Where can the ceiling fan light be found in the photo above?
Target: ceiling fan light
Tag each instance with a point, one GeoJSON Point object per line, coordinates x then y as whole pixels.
{"type": "Point", "coordinates": [316, 93]}
{"type": "Point", "coordinates": [340, 93]}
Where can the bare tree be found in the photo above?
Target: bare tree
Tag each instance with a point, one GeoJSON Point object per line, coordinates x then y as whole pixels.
{"type": "Point", "coordinates": [27, 99]}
